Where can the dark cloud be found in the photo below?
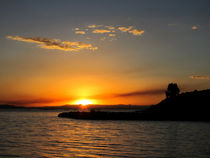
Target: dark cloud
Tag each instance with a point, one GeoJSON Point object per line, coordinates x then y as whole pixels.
{"type": "Point", "coordinates": [129, 94]}
{"type": "Point", "coordinates": [33, 101]}
{"type": "Point", "coordinates": [140, 93]}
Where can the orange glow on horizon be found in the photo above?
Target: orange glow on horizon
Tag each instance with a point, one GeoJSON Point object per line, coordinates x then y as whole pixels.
{"type": "Point", "coordinates": [84, 102]}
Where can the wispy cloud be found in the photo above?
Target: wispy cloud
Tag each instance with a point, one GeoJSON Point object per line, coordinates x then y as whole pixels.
{"type": "Point", "coordinates": [130, 94]}
{"type": "Point", "coordinates": [136, 32]}
{"type": "Point", "coordinates": [56, 44]}
{"type": "Point", "coordinates": [110, 27]}
{"type": "Point", "coordinates": [112, 35]}
{"type": "Point", "coordinates": [140, 93]}
{"type": "Point", "coordinates": [103, 38]}
{"type": "Point", "coordinates": [33, 101]}
{"type": "Point", "coordinates": [76, 29]}
{"type": "Point", "coordinates": [92, 26]}
{"type": "Point", "coordinates": [108, 32]}
{"type": "Point", "coordinates": [80, 32]}
{"type": "Point", "coordinates": [195, 27]}
{"type": "Point", "coordinates": [200, 77]}
{"type": "Point", "coordinates": [101, 31]}
{"type": "Point", "coordinates": [125, 29]}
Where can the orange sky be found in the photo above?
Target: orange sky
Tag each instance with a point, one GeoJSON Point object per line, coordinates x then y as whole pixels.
{"type": "Point", "coordinates": [56, 53]}
{"type": "Point", "coordinates": [59, 91]}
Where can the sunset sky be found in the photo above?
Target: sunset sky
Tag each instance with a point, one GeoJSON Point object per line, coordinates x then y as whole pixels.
{"type": "Point", "coordinates": [55, 52]}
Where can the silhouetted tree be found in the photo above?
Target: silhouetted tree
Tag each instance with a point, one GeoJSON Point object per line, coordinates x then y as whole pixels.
{"type": "Point", "coordinates": [172, 91]}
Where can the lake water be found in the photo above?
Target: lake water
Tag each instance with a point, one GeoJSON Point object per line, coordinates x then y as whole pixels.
{"type": "Point", "coordinates": [43, 134]}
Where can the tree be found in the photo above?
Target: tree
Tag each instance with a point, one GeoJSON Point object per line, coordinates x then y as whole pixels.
{"type": "Point", "coordinates": [172, 91]}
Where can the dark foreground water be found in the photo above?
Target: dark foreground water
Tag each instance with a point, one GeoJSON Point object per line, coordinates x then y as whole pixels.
{"type": "Point", "coordinates": [43, 134]}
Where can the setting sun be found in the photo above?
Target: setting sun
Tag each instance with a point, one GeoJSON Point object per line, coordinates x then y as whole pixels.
{"type": "Point", "coordinates": [84, 102]}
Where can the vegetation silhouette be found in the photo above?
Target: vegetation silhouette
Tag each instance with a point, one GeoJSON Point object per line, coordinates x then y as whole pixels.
{"type": "Point", "coordinates": [189, 106]}
{"type": "Point", "coordinates": [172, 90]}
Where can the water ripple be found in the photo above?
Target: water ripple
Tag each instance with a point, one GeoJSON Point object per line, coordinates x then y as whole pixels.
{"type": "Point", "coordinates": [43, 134]}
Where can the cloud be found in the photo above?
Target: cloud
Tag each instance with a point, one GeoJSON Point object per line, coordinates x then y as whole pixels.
{"type": "Point", "coordinates": [33, 101]}
{"type": "Point", "coordinates": [112, 35]}
{"type": "Point", "coordinates": [110, 27]}
{"type": "Point", "coordinates": [108, 31]}
{"type": "Point", "coordinates": [80, 32]}
{"type": "Point", "coordinates": [130, 94]}
{"type": "Point", "coordinates": [92, 26]}
{"type": "Point", "coordinates": [76, 29]}
{"type": "Point", "coordinates": [136, 32]}
{"type": "Point", "coordinates": [101, 26]}
{"type": "Point", "coordinates": [56, 44]}
{"type": "Point", "coordinates": [103, 38]}
{"type": "Point", "coordinates": [140, 93]}
{"type": "Point", "coordinates": [101, 31]}
{"type": "Point", "coordinates": [200, 77]}
{"type": "Point", "coordinates": [125, 29]}
{"type": "Point", "coordinates": [194, 27]}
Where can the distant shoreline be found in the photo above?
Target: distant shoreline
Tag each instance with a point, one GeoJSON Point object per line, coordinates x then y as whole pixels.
{"type": "Point", "coordinates": [76, 107]}
{"type": "Point", "coordinates": [189, 106]}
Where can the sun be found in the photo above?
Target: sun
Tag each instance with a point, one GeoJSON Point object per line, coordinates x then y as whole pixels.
{"type": "Point", "coordinates": [83, 102]}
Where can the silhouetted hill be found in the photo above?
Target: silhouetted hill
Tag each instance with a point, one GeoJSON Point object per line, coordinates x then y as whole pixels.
{"type": "Point", "coordinates": [186, 106]}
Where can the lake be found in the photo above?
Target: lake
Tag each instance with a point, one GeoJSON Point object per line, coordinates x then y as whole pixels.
{"type": "Point", "coordinates": [43, 134]}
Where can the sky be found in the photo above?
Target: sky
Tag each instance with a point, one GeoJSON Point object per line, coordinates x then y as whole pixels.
{"type": "Point", "coordinates": [57, 52]}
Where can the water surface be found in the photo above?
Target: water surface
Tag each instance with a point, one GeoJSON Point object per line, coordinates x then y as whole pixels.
{"type": "Point", "coordinates": [43, 134]}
